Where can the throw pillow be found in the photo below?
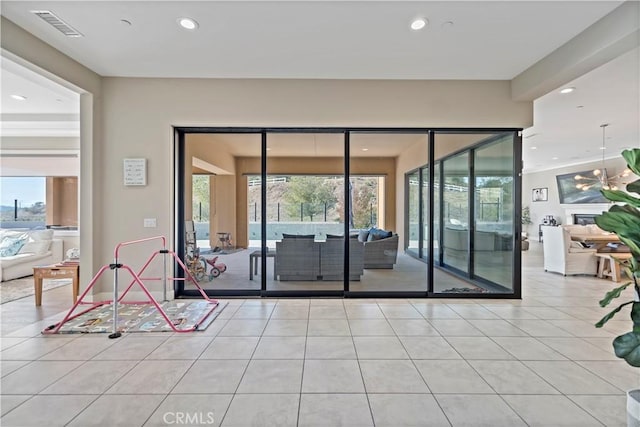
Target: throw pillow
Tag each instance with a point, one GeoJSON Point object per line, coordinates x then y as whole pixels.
{"type": "Point", "coordinates": [10, 246]}
{"type": "Point", "coordinates": [39, 247]}
{"type": "Point", "coordinates": [35, 235]}
{"type": "Point", "coordinates": [363, 235]}
{"type": "Point", "coordinates": [378, 234]}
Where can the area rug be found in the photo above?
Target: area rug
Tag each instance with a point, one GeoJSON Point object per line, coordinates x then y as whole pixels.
{"type": "Point", "coordinates": [220, 251]}
{"type": "Point", "coordinates": [464, 291]}
{"type": "Point", "coordinates": [12, 290]}
{"type": "Point", "coordinates": [144, 317]}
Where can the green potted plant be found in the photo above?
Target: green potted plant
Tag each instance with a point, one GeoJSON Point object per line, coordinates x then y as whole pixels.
{"type": "Point", "coordinates": [624, 220]}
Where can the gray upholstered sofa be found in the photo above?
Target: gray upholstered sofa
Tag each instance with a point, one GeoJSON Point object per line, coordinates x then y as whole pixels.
{"type": "Point", "coordinates": [297, 259]}
{"type": "Point", "coordinates": [302, 258]}
{"type": "Point", "coordinates": [332, 259]}
{"type": "Point", "coordinates": [381, 253]}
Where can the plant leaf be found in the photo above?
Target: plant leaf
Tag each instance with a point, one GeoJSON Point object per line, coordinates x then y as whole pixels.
{"type": "Point", "coordinates": [634, 186]}
{"type": "Point", "coordinates": [621, 196]}
{"type": "Point", "coordinates": [614, 293]}
{"type": "Point", "coordinates": [609, 316]}
{"type": "Point", "coordinates": [633, 159]}
{"type": "Point", "coordinates": [635, 314]}
{"type": "Point", "coordinates": [627, 347]}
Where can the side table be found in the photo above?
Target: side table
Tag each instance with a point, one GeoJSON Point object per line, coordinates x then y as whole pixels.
{"type": "Point", "coordinates": [56, 272]}
{"type": "Point", "coordinates": [253, 262]}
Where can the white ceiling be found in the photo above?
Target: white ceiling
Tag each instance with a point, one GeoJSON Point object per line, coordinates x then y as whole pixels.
{"type": "Point", "coordinates": [311, 39]}
{"type": "Point", "coordinates": [349, 40]}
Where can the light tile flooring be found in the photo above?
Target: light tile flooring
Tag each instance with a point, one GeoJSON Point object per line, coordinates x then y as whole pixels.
{"type": "Point", "coordinates": [538, 361]}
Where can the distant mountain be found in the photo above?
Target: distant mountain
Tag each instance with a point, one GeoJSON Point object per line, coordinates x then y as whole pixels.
{"type": "Point", "coordinates": [4, 208]}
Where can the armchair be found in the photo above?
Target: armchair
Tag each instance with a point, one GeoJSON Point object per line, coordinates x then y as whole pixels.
{"type": "Point", "coordinates": [381, 253]}
{"type": "Point", "coordinates": [561, 256]}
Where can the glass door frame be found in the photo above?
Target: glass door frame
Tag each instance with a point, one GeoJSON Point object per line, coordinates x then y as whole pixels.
{"type": "Point", "coordinates": [430, 132]}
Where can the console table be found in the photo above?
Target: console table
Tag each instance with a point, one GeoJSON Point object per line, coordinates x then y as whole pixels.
{"type": "Point", "coordinates": [56, 272]}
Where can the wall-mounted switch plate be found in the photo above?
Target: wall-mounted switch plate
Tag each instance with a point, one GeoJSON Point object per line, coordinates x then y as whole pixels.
{"type": "Point", "coordinates": [150, 222]}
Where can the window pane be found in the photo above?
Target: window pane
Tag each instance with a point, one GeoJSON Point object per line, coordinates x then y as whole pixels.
{"type": "Point", "coordinates": [23, 202]}
{"type": "Point", "coordinates": [493, 249]}
{"type": "Point", "coordinates": [413, 211]}
{"type": "Point", "coordinates": [456, 211]}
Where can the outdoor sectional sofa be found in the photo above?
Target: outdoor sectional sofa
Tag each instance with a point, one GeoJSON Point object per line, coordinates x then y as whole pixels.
{"type": "Point", "coordinates": [303, 258]}
{"type": "Point", "coordinates": [306, 259]}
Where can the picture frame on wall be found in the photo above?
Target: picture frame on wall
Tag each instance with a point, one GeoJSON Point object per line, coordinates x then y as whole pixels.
{"type": "Point", "coordinates": [540, 194]}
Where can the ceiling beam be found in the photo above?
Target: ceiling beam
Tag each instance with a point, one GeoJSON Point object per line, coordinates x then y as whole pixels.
{"type": "Point", "coordinates": [613, 35]}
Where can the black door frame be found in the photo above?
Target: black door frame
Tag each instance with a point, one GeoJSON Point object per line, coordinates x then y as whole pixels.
{"type": "Point", "coordinates": [179, 200]}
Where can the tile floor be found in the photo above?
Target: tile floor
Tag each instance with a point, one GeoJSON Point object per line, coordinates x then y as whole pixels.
{"type": "Point", "coordinates": [538, 361]}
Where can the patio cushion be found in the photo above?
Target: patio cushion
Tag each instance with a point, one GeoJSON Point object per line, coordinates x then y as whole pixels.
{"type": "Point", "coordinates": [298, 236]}
{"type": "Point", "coordinates": [378, 234]}
{"type": "Point", "coordinates": [363, 235]}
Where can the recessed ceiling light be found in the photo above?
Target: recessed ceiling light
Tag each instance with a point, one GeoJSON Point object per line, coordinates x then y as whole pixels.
{"type": "Point", "coordinates": [19, 97]}
{"type": "Point", "coordinates": [446, 25]}
{"type": "Point", "coordinates": [554, 158]}
{"type": "Point", "coordinates": [534, 148]}
{"type": "Point", "coordinates": [365, 149]}
{"type": "Point", "coordinates": [419, 24]}
{"type": "Point", "coordinates": [580, 106]}
{"type": "Point", "coordinates": [188, 23]}
{"type": "Point", "coordinates": [603, 148]}
{"type": "Point", "coordinates": [568, 90]}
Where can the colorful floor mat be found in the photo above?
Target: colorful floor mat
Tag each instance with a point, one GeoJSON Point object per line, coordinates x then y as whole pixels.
{"type": "Point", "coordinates": [144, 317]}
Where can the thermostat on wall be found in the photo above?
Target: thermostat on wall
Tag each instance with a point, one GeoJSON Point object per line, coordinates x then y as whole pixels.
{"type": "Point", "coordinates": [135, 171]}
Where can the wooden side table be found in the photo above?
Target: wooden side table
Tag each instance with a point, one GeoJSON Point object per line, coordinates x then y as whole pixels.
{"type": "Point", "coordinates": [607, 266]}
{"type": "Point", "coordinates": [56, 272]}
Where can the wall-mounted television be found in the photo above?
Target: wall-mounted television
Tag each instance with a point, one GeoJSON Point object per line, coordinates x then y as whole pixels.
{"type": "Point", "coordinates": [570, 194]}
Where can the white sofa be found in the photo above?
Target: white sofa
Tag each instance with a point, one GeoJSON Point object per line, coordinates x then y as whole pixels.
{"type": "Point", "coordinates": [40, 248]}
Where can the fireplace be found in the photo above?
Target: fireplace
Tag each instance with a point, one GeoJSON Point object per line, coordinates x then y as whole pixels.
{"type": "Point", "coordinates": [584, 219]}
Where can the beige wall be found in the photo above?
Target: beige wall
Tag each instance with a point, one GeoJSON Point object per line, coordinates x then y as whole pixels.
{"type": "Point", "coordinates": [134, 117]}
{"type": "Point", "coordinates": [62, 201]}
{"type": "Point", "coordinates": [33, 53]}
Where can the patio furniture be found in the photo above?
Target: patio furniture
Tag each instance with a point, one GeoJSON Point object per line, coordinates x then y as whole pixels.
{"type": "Point", "coordinates": [297, 259]}
{"type": "Point", "coordinates": [381, 253]}
{"type": "Point", "coordinates": [332, 259]}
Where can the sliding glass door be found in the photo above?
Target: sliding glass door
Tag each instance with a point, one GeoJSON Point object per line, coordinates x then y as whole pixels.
{"type": "Point", "coordinates": [305, 212]}
{"type": "Point", "coordinates": [349, 212]}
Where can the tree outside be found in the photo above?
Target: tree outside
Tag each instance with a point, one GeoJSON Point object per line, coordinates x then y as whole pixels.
{"type": "Point", "coordinates": [201, 197]}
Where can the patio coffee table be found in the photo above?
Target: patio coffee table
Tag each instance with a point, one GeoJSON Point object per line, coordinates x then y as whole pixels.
{"type": "Point", "coordinates": [253, 262]}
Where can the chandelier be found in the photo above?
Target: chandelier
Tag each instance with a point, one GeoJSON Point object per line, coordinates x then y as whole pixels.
{"type": "Point", "coordinates": [600, 178]}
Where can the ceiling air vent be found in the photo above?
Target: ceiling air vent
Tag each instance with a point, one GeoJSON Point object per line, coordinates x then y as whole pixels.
{"type": "Point", "coordinates": [57, 23]}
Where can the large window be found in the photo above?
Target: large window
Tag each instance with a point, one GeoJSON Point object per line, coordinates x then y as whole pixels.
{"type": "Point", "coordinates": [23, 201]}
{"type": "Point", "coordinates": [474, 228]}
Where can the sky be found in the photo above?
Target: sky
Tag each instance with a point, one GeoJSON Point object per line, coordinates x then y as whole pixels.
{"type": "Point", "coordinates": [28, 190]}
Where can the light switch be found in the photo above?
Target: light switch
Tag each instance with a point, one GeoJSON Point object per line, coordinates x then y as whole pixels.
{"type": "Point", "coordinates": [150, 222]}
